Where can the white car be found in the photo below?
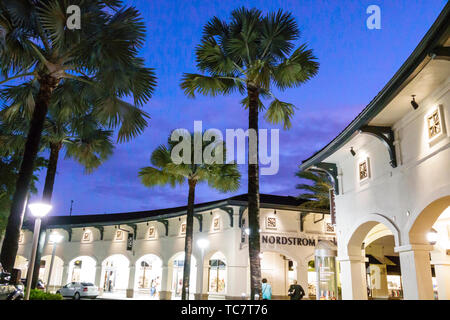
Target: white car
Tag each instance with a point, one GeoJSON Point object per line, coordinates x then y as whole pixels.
{"type": "Point", "coordinates": [78, 290]}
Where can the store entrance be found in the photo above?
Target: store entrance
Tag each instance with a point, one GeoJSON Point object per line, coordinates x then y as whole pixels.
{"type": "Point", "coordinates": [280, 272]}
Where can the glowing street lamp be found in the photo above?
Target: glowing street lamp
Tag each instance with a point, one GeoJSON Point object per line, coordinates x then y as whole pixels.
{"type": "Point", "coordinates": [38, 210]}
{"type": "Point", "coordinates": [54, 238]}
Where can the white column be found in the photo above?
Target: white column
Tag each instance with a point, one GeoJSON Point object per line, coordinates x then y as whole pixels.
{"type": "Point", "coordinates": [199, 287]}
{"type": "Point", "coordinates": [131, 275]}
{"type": "Point", "coordinates": [302, 277]}
{"type": "Point", "coordinates": [416, 271]}
{"type": "Point", "coordinates": [442, 270]}
{"type": "Point", "coordinates": [237, 277]}
{"type": "Point", "coordinates": [165, 293]}
{"type": "Point", "coordinates": [65, 275]}
{"type": "Point", "coordinates": [98, 276]}
{"type": "Point", "coordinates": [353, 280]}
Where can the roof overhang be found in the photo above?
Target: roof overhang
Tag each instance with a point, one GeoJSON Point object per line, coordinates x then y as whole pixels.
{"type": "Point", "coordinates": [431, 47]}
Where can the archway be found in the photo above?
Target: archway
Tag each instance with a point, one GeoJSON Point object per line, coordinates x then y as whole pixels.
{"type": "Point", "coordinates": [280, 272]}
{"type": "Point", "coordinates": [57, 271]}
{"type": "Point", "coordinates": [365, 276]}
{"type": "Point", "coordinates": [176, 267]}
{"type": "Point", "coordinates": [432, 227]}
{"type": "Point", "coordinates": [115, 274]}
{"type": "Point", "coordinates": [217, 274]}
{"type": "Point", "coordinates": [81, 269]}
{"type": "Point", "coordinates": [148, 276]}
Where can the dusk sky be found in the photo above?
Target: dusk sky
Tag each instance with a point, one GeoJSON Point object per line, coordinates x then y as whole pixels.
{"type": "Point", "coordinates": [355, 64]}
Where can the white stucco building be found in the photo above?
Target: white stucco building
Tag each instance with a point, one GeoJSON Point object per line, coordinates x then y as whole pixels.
{"type": "Point", "coordinates": [391, 167]}
{"type": "Point", "coordinates": [95, 250]}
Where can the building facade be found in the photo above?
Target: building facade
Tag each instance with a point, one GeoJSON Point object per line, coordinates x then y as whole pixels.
{"type": "Point", "coordinates": [126, 254]}
{"type": "Point", "coordinates": [391, 168]}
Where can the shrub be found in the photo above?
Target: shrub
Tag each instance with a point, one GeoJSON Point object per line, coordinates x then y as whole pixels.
{"type": "Point", "coordinates": [36, 294]}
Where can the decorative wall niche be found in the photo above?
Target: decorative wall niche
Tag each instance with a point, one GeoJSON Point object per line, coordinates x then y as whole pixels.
{"type": "Point", "coordinates": [151, 233]}
{"type": "Point", "coordinates": [216, 224]}
{"type": "Point", "coordinates": [87, 236]}
{"type": "Point", "coordinates": [271, 223]}
{"type": "Point", "coordinates": [183, 228]}
{"type": "Point", "coordinates": [434, 124]}
{"type": "Point", "coordinates": [119, 235]}
{"type": "Point", "coordinates": [364, 169]}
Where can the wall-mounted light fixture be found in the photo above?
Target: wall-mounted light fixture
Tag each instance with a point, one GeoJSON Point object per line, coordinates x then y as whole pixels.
{"type": "Point", "coordinates": [275, 212]}
{"type": "Point", "coordinates": [414, 104]}
{"type": "Point", "coordinates": [210, 213]}
{"type": "Point", "coordinates": [352, 151]}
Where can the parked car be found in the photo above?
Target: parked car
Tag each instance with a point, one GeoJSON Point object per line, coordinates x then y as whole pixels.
{"type": "Point", "coordinates": [78, 290]}
{"type": "Point", "coordinates": [39, 285]}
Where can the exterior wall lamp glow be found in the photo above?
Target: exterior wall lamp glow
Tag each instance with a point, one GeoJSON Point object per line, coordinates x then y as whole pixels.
{"type": "Point", "coordinates": [352, 151]}
{"type": "Point", "coordinates": [38, 210]}
{"type": "Point", "coordinates": [247, 231]}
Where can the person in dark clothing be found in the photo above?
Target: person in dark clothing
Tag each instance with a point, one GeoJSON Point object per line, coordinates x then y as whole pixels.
{"type": "Point", "coordinates": [296, 291]}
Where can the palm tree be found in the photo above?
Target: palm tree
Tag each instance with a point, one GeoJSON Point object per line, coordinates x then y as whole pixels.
{"type": "Point", "coordinates": [100, 59]}
{"type": "Point", "coordinates": [83, 139]}
{"type": "Point", "coordinates": [252, 54]}
{"type": "Point", "coordinates": [219, 175]}
{"type": "Point", "coordinates": [316, 193]}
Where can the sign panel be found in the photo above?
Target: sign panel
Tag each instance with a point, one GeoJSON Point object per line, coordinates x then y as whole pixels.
{"type": "Point", "coordinates": [130, 241]}
{"type": "Point", "coordinates": [332, 206]}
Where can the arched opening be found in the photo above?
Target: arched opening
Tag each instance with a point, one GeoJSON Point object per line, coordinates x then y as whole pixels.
{"type": "Point", "coordinates": [81, 269]}
{"type": "Point", "coordinates": [176, 267]}
{"type": "Point", "coordinates": [312, 280]}
{"type": "Point", "coordinates": [148, 277]}
{"type": "Point", "coordinates": [280, 272]}
{"type": "Point", "coordinates": [432, 226]}
{"type": "Point", "coordinates": [115, 272]}
{"type": "Point", "coordinates": [370, 249]}
{"type": "Point", "coordinates": [383, 271]}
{"type": "Point", "coordinates": [56, 272]}
{"type": "Point", "coordinates": [217, 274]}
{"type": "Point", "coordinates": [21, 263]}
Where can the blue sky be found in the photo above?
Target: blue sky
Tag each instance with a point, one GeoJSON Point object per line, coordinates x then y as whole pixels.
{"type": "Point", "coordinates": [355, 63]}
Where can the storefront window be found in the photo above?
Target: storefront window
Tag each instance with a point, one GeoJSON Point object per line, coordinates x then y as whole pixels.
{"type": "Point", "coordinates": [217, 276]}
{"type": "Point", "coordinates": [177, 282]}
{"type": "Point", "coordinates": [326, 268]}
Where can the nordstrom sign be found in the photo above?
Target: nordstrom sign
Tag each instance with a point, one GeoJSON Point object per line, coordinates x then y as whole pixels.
{"type": "Point", "coordinates": [290, 241]}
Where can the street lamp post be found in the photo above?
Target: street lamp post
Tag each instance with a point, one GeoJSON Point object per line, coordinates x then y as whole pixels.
{"type": "Point", "coordinates": [55, 238]}
{"type": "Point", "coordinates": [202, 244]}
{"type": "Point", "coordinates": [38, 210]}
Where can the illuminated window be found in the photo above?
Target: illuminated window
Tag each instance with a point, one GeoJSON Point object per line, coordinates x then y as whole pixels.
{"type": "Point", "coordinates": [364, 169]}
{"type": "Point", "coordinates": [217, 274]}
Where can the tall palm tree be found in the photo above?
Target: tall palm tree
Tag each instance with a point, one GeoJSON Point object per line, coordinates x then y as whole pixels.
{"type": "Point", "coordinates": [83, 139]}
{"type": "Point", "coordinates": [101, 58]}
{"type": "Point", "coordinates": [165, 171]}
{"type": "Point", "coordinates": [252, 54]}
{"type": "Point", "coordinates": [316, 193]}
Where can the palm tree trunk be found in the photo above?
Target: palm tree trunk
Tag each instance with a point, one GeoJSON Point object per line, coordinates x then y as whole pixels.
{"type": "Point", "coordinates": [47, 198]}
{"type": "Point", "coordinates": [15, 219]}
{"type": "Point", "coordinates": [253, 198]}
{"type": "Point", "coordinates": [188, 240]}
